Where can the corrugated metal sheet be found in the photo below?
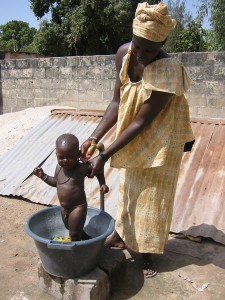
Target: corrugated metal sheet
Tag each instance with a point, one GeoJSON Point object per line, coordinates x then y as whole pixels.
{"type": "Point", "coordinates": [37, 148]}
{"type": "Point", "coordinates": [199, 201]}
{"type": "Point", "coordinates": [200, 197]}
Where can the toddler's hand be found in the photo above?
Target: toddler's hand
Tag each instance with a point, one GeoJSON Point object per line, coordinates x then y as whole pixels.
{"type": "Point", "coordinates": [104, 188]}
{"type": "Point", "coordinates": [38, 172]}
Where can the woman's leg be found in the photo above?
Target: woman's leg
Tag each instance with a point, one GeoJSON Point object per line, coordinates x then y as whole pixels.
{"type": "Point", "coordinates": [149, 269]}
{"type": "Point", "coordinates": [115, 241]}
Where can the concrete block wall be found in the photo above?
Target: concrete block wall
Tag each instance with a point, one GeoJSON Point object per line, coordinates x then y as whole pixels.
{"type": "Point", "coordinates": [87, 82]}
{"type": "Point", "coordinates": [81, 82]}
{"type": "Point", "coordinates": [206, 97]}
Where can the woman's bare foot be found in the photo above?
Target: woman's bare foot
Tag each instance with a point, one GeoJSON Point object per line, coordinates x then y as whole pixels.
{"type": "Point", "coordinates": [149, 269]}
{"type": "Point", "coordinates": [115, 241]}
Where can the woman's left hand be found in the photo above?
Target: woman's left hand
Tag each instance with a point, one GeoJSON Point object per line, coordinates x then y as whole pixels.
{"type": "Point", "coordinates": [97, 165]}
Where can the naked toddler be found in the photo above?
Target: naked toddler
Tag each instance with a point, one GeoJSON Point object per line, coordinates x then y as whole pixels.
{"type": "Point", "coordinates": [69, 181]}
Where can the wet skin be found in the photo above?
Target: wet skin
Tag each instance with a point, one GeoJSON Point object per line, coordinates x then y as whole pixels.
{"type": "Point", "coordinates": [69, 181]}
{"type": "Point", "coordinates": [70, 175]}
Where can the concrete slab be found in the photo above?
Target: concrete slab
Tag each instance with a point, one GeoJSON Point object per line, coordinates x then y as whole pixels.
{"type": "Point", "coordinates": [94, 286]}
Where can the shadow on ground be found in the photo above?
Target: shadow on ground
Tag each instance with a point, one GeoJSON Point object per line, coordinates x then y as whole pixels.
{"type": "Point", "coordinates": [181, 256]}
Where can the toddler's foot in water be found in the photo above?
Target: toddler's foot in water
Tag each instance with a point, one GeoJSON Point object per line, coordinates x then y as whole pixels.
{"type": "Point", "coordinates": [115, 241]}
{"type": "Point", "coordinates": [85, 236]}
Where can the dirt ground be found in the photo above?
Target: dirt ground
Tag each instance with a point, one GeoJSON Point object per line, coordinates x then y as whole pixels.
{"type": "Point", "coordinates": [187, 270]}
{"type": "Point", "coordinates": [18, 255]}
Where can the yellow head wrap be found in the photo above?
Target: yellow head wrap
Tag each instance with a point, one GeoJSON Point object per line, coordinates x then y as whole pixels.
{"type": "Point", "coordinates": [153, 22]}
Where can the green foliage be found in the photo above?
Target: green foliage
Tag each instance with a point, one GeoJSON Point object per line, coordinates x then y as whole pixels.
{"type": "Point", "coordinates": [42, 7]}
{"type": "Point", "coordinates": [177, 10]}
{"type": "Point", "coordinates": [215, 37]}
{"type": "Point", "coordinates": [84, 27]}
{"type": "Point", "coordinates": [49, 40]}
{"type": "Point", "coordinates": [191, 39]}
{"type": "Point", "coordinates": [16, 36]}
{"type": "Point", "coordinates": [218, 24]}
{"type": "Point", "coordinates": [210, 39]}
{"type": "Point", "coordinates": [203, 10]}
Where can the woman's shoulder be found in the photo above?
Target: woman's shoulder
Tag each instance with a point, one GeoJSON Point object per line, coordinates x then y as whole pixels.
{"type": "Point", "coordinates": [122, 51]}
{"type": "Point", "coordinates": [123, 48]}
{"type": "Point", "coordinates": [120, 54]}
{"type": "Point", "coordinates": [167, 74]}
{"type": "Point", "coordinates": [166, 63]}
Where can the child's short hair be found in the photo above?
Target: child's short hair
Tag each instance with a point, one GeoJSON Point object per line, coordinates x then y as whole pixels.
{"type": "Point", "coordinates": [67, 139]}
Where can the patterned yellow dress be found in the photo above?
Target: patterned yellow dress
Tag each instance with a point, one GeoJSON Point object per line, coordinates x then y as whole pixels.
{"type": "Point", "coordinates": [150, 162]}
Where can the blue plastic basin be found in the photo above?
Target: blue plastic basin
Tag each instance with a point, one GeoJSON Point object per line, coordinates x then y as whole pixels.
{"type": "Point", "coordinates": [73, 259]}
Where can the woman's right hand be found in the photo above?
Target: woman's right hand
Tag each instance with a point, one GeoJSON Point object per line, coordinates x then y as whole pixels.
{"type": "Point", "coordinates": [84, 148]}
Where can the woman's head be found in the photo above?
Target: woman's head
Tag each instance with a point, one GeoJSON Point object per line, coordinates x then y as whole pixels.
{"type": "Point", "coordinates": [144, 50]}
{"type": "Point", "coordinates": [151, 27]}
{"type": "Point", "coordinates": [153, 22]}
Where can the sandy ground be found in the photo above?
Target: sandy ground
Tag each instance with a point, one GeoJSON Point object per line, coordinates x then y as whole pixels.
{"type": "Point", "coordinates": [14, 126]}
{"type": "Point", "coordinates": [187, 270]}
{"type": "Point", "coordinates": [203, 263]}
{"type": "Point", "coordinates": [18, 255]}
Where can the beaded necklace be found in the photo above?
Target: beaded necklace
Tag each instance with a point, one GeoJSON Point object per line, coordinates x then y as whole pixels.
{"type": "Point", "coordinates": [64, 181]}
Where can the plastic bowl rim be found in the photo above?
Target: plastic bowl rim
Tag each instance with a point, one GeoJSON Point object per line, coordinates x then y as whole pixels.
{"type": "Point", "coordinates": [75, 243]}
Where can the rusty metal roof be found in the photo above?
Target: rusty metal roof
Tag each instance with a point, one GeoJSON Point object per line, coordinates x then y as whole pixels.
{"type": "Point", "coordinates": [200, 197]}
{"type": "Point", "coordinates": [199, 201]}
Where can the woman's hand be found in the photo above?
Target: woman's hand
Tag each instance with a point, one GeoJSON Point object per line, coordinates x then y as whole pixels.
{"type": "Point", "coordinates": [84, 148]}
{"type": "Point", "coordinates": [97, 165]}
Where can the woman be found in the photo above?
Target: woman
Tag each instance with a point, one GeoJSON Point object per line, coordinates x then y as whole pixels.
{"type": "Point", "coordinates": [153, 125]}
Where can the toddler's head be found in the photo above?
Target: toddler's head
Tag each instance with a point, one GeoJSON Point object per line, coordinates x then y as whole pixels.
{"type": "Point", "coordinates": [67, 150]}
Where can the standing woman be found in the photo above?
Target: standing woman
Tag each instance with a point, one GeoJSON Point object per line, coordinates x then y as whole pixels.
{"type": "Point", "coordinates": [153, 125]}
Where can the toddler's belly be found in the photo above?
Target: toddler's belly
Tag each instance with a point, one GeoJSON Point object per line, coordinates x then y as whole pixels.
{"type": "Point", "coordinates": [69, 198]}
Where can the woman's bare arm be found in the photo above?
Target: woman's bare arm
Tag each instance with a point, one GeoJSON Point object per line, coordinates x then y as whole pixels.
{"type": "Point", "coordinates": [149, 110]}
{"type": "Point", "coordinates": [111, 114]}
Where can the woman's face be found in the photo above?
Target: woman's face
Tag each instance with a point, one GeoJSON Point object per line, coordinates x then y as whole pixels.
{"type": "Point", "coordinates": [145, 51]}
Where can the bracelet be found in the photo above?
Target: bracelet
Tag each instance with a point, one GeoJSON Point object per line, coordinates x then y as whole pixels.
{"type": "Point", "coordinates": [45, 178]}
{"type": "Point", "coordinates": [103, 157]}
{"type": "Point", "coordinates": [92, 138]}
